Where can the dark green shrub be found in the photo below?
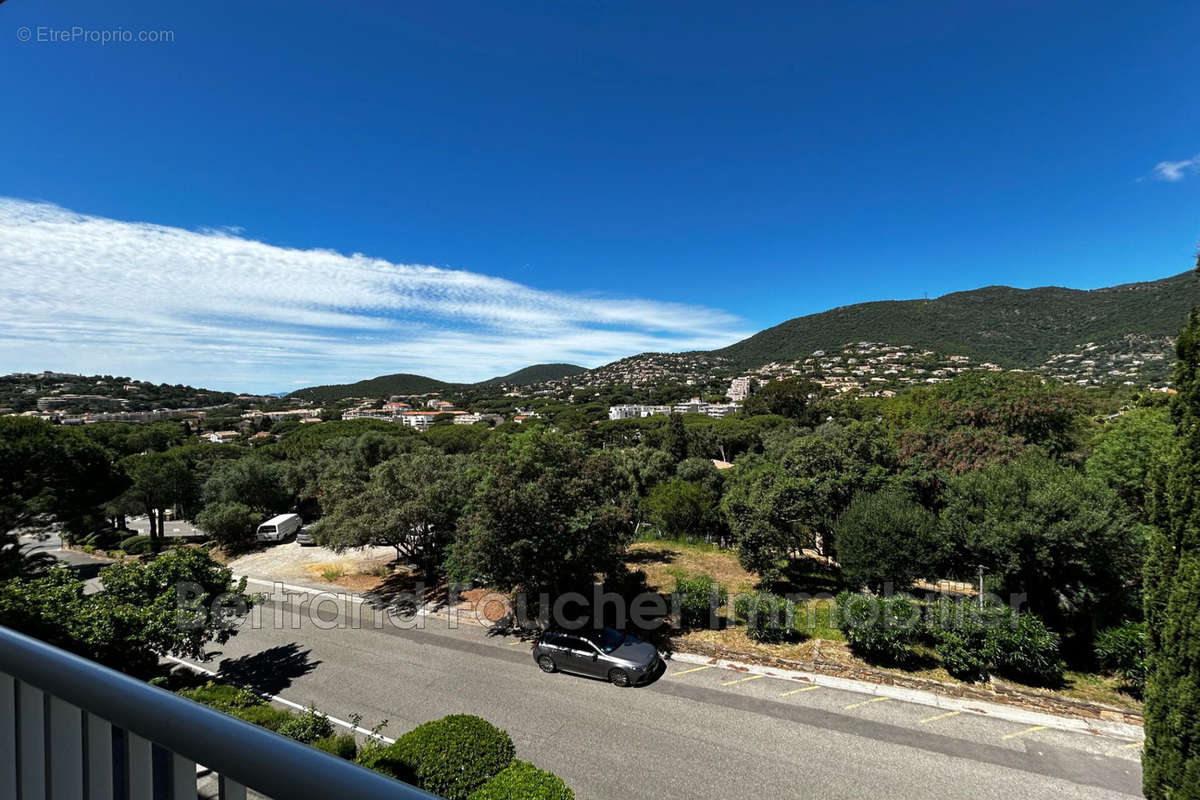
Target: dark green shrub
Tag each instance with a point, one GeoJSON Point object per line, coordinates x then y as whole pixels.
{"type": "Point", "coordinates": [264, 716]}
{"type": "Point", "coordinates": [1123, 651]}
{"type": "Point", "coordinates": [699, 598]}
{"type": "Point", "coordinates": [963, 653]}
{"type": "Point", "coordinates": [879, 629]}
{"type": "Point", "coordinates": [450, 757]}
{"type": "Point", "coordinates": [1023, 649]}
{"type": "Point", "coordinates": [107, 539]}
{"type": "Point", "coordinates": [308, 726]}
{"type": "Point", "coordinates": [373, 755]}
{"type": "Point", "coordinates": [768, 617]}
{"type": "Point", "coordinates": [222, 696]}
{"type": "Point", "coordinates": [340, 745]}
{"type": "Point", "coordinates": [521, 780]}
{"type": "Point", "coordinates": [136, 545]}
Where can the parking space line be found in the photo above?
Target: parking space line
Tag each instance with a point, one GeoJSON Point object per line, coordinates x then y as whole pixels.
{"type": "Point", "coordinates": [939, 716]}
{"type": "Point", "coordinates": [1022, 733]}
{"type": "Point", "coordinates": [743, 680]}
{"type": "Point", "coordinates": [514, 644]}
{"type": "Point", "coordinates": [865, 702]}
{"type": "Point", "coordinates": [801, 689]}
{"type": "Point", "coordinates": [1131, 744]}
{"type": "Point", "coordinates": [693, 669]}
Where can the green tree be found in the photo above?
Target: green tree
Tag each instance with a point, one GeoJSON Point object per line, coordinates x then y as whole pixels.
{"type": "Point", "coordinates": [1049, 532]}
{"type": "Point", "coordinates": [50, 473]}
{"type": "Point", "coordinates": [886, 537]}
{"type": "Point", "coordinates": [1171, 758]}
{"type": "Point", "coordinates": [159, 481]}
{"type": "Point", "coordinates": [411, 502]}
{"type": "Point", "coordinates": [232, 525]}
{"type": "Point", "coordinates": [794, 398]}
{"type": "Point", "coordinates": [675, 438]}
{"type": "Point", "coordinates": [682, 509]}
{"type": "Point", "coordinates": [174, 605]}
{"type": "Point", "coordinates": [545, 516]}
{"type": "Point", "coordinates": [830, 467]}
{"type": "Point", "coordinates": [765, 508]}
{"type": "Point", "coordinates": [251, 480]}
{"type": "Point", "coordinates": [1125, 450]}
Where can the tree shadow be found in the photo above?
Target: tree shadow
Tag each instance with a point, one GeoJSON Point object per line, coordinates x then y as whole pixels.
{"type": "Point", "coordinates": [405, 592]}
{"type": "Point", "coordinates": [269, 671]}
{"type": "Point", "coordinates": [808, 576]}
{"type": "Point", "coordinates": [658, 554]}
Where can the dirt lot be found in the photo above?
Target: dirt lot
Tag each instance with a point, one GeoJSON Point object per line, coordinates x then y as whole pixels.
{"type": "Point", "coordinates": [358, 570]}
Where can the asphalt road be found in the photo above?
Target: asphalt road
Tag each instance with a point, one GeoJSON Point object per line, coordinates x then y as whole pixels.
{"type": "Point", "coordinates": [698, 732]}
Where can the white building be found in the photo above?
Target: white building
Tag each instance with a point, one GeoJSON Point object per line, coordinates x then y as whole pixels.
{"type": "Point", "coordinates": [471, 419]}
{"type": "Point", "coordinates": [636, 411]}
{"type": "Point", "coordinates": [693, 406]}
{"type": "Point", "coordinates": [739, 389]}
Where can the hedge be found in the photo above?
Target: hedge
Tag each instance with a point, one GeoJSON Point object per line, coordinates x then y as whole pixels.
{"type": "Point", "coordinates": [450, 757]}
{"type": "Point", "coordinates": [1123, 650]}
{"type": "Point", "coordinates": [264, 716]}
{"type": "Point", "coordinates": [768, 617]}
{"type": "Point", "coordinates": [879, 628]}
{"type": "Point", "coordinates": [222, 696]}
{"type": "Point", "coordinates": [308, 726]}
{"type": "Point", "coordinates": [521, 780]}
{"type": "Point", "coordinates": [699, 598]}
{"type": "Point", "coordinates": [1025, 650]}
{"type": "Point", "coordinates": [136, 545]}
{"type": "Point", "coordinates": [341, 745]}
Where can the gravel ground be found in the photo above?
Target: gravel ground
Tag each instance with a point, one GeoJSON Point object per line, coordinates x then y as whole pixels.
{"type": "Point", "coordinates": [290, 562]}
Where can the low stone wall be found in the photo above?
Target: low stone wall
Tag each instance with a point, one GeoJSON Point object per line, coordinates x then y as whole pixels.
{"type": "Point", "coordinates": [996, 691]}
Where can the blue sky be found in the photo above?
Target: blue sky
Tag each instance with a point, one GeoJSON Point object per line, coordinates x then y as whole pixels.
{"type": "Point", "coordinates": [570, 180]}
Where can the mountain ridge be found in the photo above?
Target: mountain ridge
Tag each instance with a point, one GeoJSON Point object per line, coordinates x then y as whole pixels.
{"type": "Point", "coordinates": [1040, 328]}
{"type": "Point", "coordinates": [1015, 328]}
{"type": "Point", "coordinates": [402, 383]}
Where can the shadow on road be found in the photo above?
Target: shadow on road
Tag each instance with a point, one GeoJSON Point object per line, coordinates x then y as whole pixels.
{"type": "Point", "coordinates": [270, 671]}
{"type": "Point", "coordinates": [404, 592]}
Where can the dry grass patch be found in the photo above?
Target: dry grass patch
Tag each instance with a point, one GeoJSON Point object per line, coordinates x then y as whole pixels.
{"type": "Point", "coordinates": [664, 561]}
{"type": "Point", "coordinates": [359, 575]}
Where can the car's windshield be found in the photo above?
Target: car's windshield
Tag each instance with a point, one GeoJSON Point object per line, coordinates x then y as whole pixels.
{"type": "Point", "coordinates": [606, 639]}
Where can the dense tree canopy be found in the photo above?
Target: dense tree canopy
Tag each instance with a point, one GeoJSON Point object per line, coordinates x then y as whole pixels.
{"type": "Point", "coordinates": [545, 516]}
{"type": "Point", "coordinates": [1171, 759]}
{"type": "Point", "coordinates": [886, 539]}
{"type": "Point", "coordinates": [411, 502]}
{"type": "Point", "coordinates": [1049, 532]}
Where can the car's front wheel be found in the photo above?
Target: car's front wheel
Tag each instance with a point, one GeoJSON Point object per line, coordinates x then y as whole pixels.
{"type": "Point", "coordinates": [546, 663]}
{"type": "Point", "coordinates": [618, 677]}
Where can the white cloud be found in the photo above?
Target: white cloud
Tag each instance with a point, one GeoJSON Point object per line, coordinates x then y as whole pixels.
{"type": "Point", "coordinates": [209, 307]}
{"type": "Point", "coordinates": [1176, 170]}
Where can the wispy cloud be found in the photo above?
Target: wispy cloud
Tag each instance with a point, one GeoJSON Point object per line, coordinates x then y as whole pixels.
{"type": "Point", "coordinates": [1176, 170]}
{"type": "Point", "coordinates": [90, 294]}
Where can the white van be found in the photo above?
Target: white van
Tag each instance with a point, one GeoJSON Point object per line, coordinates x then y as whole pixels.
{"type": "Point", "coordinates": [277, 529]}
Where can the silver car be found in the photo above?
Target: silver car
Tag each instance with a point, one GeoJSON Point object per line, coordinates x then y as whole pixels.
{"type": "Point", "coordinates": [304, 537]}
{"type": "Point", "coordinates": [622, 659]}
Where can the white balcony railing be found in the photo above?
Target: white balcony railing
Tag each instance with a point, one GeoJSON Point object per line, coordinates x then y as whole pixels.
{"type": "Point", "coordinates": [72, 729]}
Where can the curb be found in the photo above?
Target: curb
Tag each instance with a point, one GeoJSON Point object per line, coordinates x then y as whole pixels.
{"type": "Point", "coordinates": [1117, 730]}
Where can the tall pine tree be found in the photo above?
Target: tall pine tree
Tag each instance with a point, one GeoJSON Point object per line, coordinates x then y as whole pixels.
{"type": "Point", "coordinates": [1171, 759]}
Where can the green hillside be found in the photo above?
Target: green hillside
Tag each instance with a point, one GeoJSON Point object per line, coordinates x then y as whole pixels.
{"type": "Point", "coordinates": [1018, 328]}
{"type": "Point", "coordinates": [381, 386]}
{"type": "Point", "coordinates": [535, 374]}
{"type": "Point", "coordinates": [406, 383]}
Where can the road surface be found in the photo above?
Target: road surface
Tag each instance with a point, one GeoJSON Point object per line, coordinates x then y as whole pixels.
{"type": "Point", "coordinates": [698, 732]}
